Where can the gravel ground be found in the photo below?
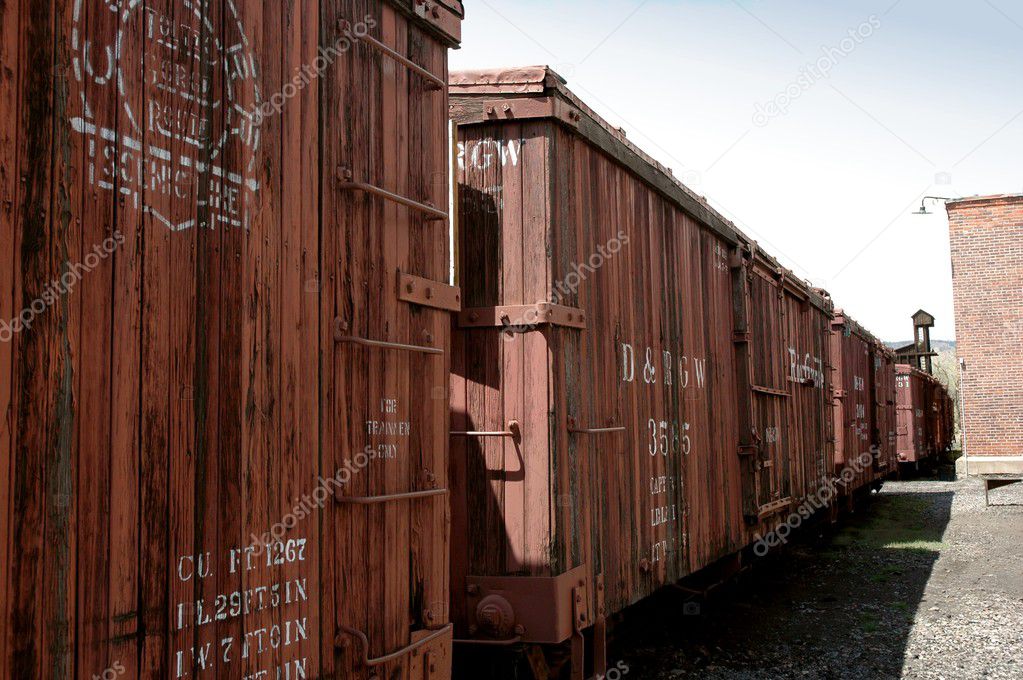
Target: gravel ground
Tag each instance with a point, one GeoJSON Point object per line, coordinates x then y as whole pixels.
{"type": "Point", "coordinates": [924, 582]}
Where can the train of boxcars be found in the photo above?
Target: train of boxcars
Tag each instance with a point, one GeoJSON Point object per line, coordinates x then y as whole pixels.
{"type": "Point", "coordinates": [639, 390]}
{"type": "Point", "coordinates": [250, 429]}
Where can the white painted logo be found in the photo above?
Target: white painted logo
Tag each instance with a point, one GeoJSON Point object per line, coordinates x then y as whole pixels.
{"type": "Point", "coordinates": [182, 140]}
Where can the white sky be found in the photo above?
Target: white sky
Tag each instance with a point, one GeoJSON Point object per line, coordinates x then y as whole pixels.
{"type": "Point", "coordinates": [828, 187]}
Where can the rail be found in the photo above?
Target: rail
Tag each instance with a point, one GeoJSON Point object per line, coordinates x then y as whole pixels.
{"type": "Point", "coordinates": [405, 651]}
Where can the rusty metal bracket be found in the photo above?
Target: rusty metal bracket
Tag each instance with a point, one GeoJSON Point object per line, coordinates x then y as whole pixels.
{"type": "Point", "coordinates": [432, 212]}
{"type": "Point", "coordinates": [600, 632]}
{"type": "Point", "coordinates": [580, 617]}
{"type": "Point", "coordinates": [749, 449]}
{"type": "Point", "coordinates": [544, 607]}
{"type": "Point", "coordinates": [531, 108]}
{"type": "Point", "coordinates": [770, 391]}
{"type": "Point", "coordinates": [426, 293]}
{"type": "Point", "coordinates": [523, 318]}
{"type": "Point", "coordinates": [775, 507]}
{"type": "Point", "coordinates": [341, 640]}
{"type": "Point", "coordinates": [439, 17]}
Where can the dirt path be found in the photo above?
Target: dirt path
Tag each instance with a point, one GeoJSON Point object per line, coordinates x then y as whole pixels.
{"type": "Point", "coordinates": [924, 583]}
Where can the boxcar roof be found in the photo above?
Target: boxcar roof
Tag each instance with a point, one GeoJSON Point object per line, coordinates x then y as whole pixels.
{"type": "Point", "coordinates": [843, 319]}
{"type": "Point", "coordinates": [473, 94]}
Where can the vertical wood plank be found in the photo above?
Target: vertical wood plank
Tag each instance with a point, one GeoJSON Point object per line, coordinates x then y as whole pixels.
{"type": "Point", "coordinates": [10, 22]}
{"type": "Point", "coordinates": [38, 354]}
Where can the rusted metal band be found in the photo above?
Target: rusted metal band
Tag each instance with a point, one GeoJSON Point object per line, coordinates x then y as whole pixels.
{"type": "Point", "coordinates": [769, 391]}
{"type": "Point", "coordinates": [405, 651]}
{"type": "Point", "coordinates": [522, 318]}
{"type": "Point", "coordinates": [377, 500]}
{"type": "Point", "coordinates": [435, 82]}
{"type": "Point", "coordinates": [518, 109]}
{"type": "Point", "coordinates": [432, 213]}
{"type": "Point", "coordinates": [426, 293]}
{"type": "Point", "coordinates": [774, 507]}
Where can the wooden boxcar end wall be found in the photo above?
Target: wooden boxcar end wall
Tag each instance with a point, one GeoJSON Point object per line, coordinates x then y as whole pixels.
{"type": "Point", "coordinates": [217, 224]}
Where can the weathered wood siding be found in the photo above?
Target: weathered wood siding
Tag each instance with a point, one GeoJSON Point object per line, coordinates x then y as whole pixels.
{"type": "Point", "coordinates": [175, 389]}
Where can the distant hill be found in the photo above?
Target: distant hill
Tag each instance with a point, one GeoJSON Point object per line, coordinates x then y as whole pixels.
{"type": "Point", "coordinates": [938, 345]}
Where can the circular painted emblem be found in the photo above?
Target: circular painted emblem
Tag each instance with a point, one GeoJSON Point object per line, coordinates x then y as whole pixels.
{"type": "Point", "coordinates": [167, 91]}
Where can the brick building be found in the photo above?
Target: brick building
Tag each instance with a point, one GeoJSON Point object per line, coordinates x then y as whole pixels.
{"type": "Point", "coordinates": [987, 271]}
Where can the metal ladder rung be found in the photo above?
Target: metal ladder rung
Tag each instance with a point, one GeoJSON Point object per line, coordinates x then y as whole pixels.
{"type": "Point", "coordinates": [432, 213]}
{"type": "Point", "coordinates": [435, 82]}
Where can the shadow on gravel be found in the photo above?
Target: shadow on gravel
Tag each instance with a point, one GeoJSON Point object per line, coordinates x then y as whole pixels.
{"type": "Point", "coordinates": [838, 602]}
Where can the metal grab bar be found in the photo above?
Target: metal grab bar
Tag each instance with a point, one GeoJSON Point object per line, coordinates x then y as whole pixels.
{"type": "Point", "coordinates": [482, 434]}
{"type": "Point", "coordinates": [437, 83]}
{"type": "Point", "coordinates": [379, 661]}
{"type": "Point", "coordinates": [596, 430]}
{"type": "Point", "coordinates": [512, 431]}
{"type": "Point", "coordinates": [387, 345]}
{"type": "Point", "coordinates": [490, 643]}
{"type": "Point", "coordinates": [375, 500]}
{"type": "Point", "coordinates": [591, 430]}
{"type": "Point", "coordinates": [340, 335]}
{"type": "Point", "coordinates": [433, 213]}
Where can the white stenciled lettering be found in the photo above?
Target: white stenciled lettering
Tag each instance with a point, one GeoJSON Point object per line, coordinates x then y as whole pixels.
{"type": "Point", "coordinates": [628, 363]}
{"type": "Point", "coordinates": [161, 148]}
{"type": "Point", "coordinates": [649, 370]}
{"type": "Point", "coordinates": [483, 154]}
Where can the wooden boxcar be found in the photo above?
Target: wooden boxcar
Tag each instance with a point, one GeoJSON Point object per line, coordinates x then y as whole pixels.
{"type": "Point", "coordinates": [916, 391]}
{"type": "Point", "coordinates": [223, 269]}
{"type": "Point", "coordinates": [638, 390]}
{"type": "Point", "coordinates": [864, 406]}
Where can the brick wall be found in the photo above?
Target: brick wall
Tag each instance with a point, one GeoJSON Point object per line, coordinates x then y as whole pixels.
{"type": "Point", "coordinates": [987, 271]}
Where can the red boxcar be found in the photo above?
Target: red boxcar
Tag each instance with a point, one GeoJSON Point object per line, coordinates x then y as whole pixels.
{"type": "Point", "coordinates": [638, 390]}
{"type": "Point", "coordinates": [916, 443]}
{"type": "Point", "coordinates": [227, 369]}
{"type": "Point", "coordinates": [864, 405]}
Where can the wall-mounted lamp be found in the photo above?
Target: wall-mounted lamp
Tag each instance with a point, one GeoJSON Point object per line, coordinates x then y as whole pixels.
{"type": "Point", "coordinates": [923, 204]}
